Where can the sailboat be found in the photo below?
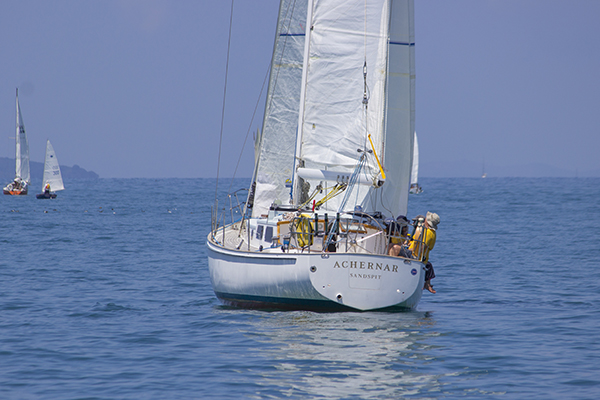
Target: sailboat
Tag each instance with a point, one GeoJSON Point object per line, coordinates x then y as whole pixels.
{"type": "Point", "coordinates": [22, 176]}
{"type": "Point", "coordinates": [332, 170]}
{"type": "Point", "coordinates": [414, 173]}
{"type": "Point", "coordinates": [52, 180]}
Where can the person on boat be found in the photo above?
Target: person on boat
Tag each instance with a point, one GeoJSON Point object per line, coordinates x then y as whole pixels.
{"type": "Point", "coordinates": [423, 242]}
{"type": "Point", "coordinates": [399, 238]}
{"type": "Point", "coordinates": [47, 189]}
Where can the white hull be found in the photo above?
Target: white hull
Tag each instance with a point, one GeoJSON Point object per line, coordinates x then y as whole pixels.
{"type": "Point", "coordinates": [314, 281]}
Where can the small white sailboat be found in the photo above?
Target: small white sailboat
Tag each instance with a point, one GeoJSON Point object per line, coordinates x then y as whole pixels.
{"type": "Point", "coordinates": [414, 173]}
{"type": "Point", "coordinates": [22, 179]}
{"type": "Point", "coordinates": [52, 180]}
{"type": "Point", "coordinates": [332, 169]}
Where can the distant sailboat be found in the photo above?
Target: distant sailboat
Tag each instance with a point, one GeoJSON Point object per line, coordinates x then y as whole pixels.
{"type": "Point", "coordinates": [483, 173]}
{"type": "Point", "coordinates": [414, 173]}
{"type": "Point", "coordinates": [52, 181]}
{"type": "Point", "coordinates": [22, 176]}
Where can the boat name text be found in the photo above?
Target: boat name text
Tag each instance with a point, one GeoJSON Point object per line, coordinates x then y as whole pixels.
{"type": "Point", "coordinates": [364, 276]}
{"type": "Point", "coordinates": [366, 265]}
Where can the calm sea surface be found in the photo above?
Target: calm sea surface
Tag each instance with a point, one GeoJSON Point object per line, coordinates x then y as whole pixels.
{"type": "Point", "coordinates": [105, 294]}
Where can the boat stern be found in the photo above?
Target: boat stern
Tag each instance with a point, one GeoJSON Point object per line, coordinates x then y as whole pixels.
{"type": "Point", "coordinates": [368, 282]}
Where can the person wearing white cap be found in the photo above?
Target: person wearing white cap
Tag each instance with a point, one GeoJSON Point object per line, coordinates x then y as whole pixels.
{"type": "Point", "coordinates": [423, 242]}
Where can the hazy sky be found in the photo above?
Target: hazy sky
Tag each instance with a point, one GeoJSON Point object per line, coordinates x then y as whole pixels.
{"type": "Point", "coordinates": [134, 88]}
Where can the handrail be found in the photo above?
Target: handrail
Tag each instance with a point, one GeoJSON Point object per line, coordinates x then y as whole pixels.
{"type": "Point", "coordinates": [235, 207]}
{"type": "Point", "coordinates": [304, 229]}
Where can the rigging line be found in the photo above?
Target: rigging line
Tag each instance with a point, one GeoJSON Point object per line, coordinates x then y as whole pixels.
{"type": "Point", "coordinates": [250, 126]}
{"type": "Point", "coordinates": [365, 100]}
{"type": "Point", "coordinates": [312, 196]}
{"type": "Point", "coordinates": [317, 190]}
{"type": "Point", "coordinates": [339, 188]}
{"type": "Point", "coordinates": [352, 182]}
{"type": "Point", "coordinates": [365, 49]}
{"type": "Point", "coordinates": [223, 109]}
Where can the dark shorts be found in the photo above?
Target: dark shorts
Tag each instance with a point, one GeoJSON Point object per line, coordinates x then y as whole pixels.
{"type": "Point", "coordinates": [429, 273]}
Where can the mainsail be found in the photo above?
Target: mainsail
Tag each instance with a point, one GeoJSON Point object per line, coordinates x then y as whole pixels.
{"type": "Point", "coordinates": [22, 148]}
{"type": "Point", "coordinates": [317, 120]}
{"type": "Point", "coordinates": [52, 173]}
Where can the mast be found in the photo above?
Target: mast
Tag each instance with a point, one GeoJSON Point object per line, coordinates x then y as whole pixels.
{"type": "Point", "coordinates": [18, 141]}
{"type": "Point", "coordinates": [46, 175]}
{"type": "Point", "coordinates": [308, 28]}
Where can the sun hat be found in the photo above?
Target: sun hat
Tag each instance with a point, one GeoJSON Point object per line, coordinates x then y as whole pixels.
{"type": "Point", "coordinates": [432, 220]}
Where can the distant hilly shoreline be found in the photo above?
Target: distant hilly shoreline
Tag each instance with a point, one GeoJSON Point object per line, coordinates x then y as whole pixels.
{"type": "Point", "coordinates": [7, 170]}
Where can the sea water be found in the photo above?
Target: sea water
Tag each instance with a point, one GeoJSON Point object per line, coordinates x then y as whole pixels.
{"type": "Point", "coordinates": [105, 294]}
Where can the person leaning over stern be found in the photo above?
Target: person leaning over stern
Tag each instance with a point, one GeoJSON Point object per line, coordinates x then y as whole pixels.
{"type": "Point", "coordinates": [426, 234]}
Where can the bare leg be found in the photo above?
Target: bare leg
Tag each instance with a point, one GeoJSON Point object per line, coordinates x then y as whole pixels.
{"type": "Point", "coordinates": [394, 250]}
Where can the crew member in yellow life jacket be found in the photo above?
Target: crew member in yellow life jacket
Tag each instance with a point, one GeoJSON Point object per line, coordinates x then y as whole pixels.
{"type": "Point", "coordinates": [399, 239]}
{"type": "Point", "coordinates": [423, 242]}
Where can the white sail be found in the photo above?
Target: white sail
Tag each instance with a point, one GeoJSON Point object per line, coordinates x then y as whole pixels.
{"type": "Point", "coordinates": [52, 173]}
{"type": "Point", "coordinates": [400, 108]}
{"type": "Point", "coordinates": [22, 148]}
{"type": "Point", "coordinates": [276, 148]}
{"type": "Point", "coordinates": [414, 174]}
{"type": "Point", "coordinates": [334, 124]}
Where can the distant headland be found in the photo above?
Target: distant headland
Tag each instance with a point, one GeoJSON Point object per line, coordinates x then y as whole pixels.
{"type": "Point", "coordinates": [7, 170]}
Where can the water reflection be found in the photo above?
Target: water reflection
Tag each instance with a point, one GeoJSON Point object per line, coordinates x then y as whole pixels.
{"type": "Point", "coordinates": [366, 355]}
